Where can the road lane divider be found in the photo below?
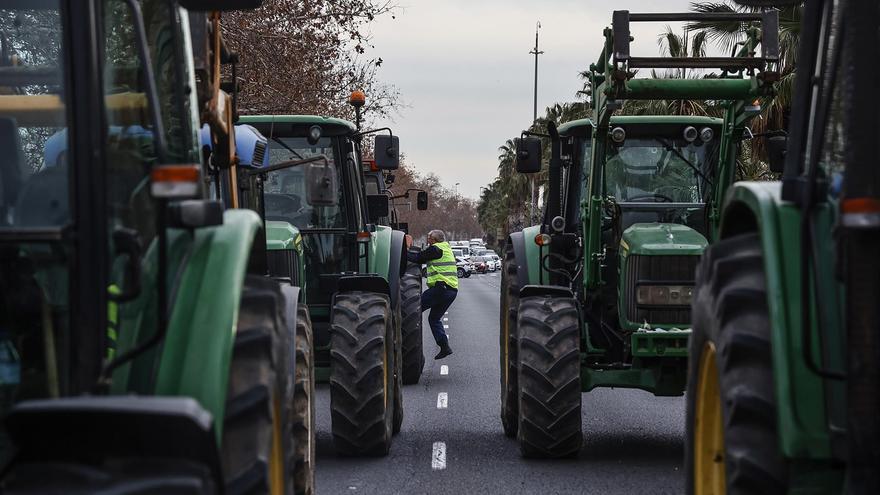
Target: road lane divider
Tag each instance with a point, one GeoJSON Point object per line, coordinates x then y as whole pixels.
{"type": "Point", "coordinates": [442, 400]}
{"type": "Point", "coordinates": [444, 369]}
{"type": "Point", "coordinates": [438, 456]}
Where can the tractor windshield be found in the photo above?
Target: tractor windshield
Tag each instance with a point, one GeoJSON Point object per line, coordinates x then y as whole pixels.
{"type": "Point", "coordinates": [646, 170]}
{"type": "Point", "coordinates": [285, 190]}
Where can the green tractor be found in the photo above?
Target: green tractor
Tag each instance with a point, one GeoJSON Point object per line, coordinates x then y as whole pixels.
{"type": "Point", "coordinates": [599, 294]}
{"type": "Point", "coordinates": [354, 271]}
{"type": "Point", "coordinates": [142, 352]}
{"type": "Point", "coordinates": [784, 376]}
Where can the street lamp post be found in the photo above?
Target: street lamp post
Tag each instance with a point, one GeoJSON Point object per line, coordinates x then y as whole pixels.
{"type": "Point", "coordinates": [535, 52]}
{"type": "Point", "coordinates": [456, 188]}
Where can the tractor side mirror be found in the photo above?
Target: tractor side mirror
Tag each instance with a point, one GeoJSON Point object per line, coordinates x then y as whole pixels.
{"type": "Point", "coordinates": [387, 152]}
{"type": "Point", "coordinates": [322, 187]}
{"type": "Point", "coordinates": [776, 150]}
{"type": "Point", "coordinates": [422, 200]}
{"type": "Point", "coordinates": [377, 206]}
{"type": "Point", "coordinates": [528, 155]}
{"type": "Point", "coordinates": [403, 227]}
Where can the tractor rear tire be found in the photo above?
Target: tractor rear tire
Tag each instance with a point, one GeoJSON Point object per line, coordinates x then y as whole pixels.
{"type": "Point", "coordinates": [508, 343]}
{"type": "Point", "coordinates": [549, 377]}
{"type": "Point", "coordinates": [731, 405]}
{"type": "Point", "coordinates": [304, 406]}
{"type": "Point", "coordinates": [257, 450]}
{"type": "Point", "coordinates": [362, 373]}
{"type": "Point", "coordinates": [411, 324]}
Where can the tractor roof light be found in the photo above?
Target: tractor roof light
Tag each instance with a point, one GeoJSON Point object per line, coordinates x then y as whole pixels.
{"type": "Point", "coordinates": [174, 181]}
{"type": "Point", "coordinates": [618, 135]}
{"type": "Point", "coordinates": [357, 98]}
{"type": "Point", "coordinates": [314, 134]}
{"type": "Point", "coordinates": [706, 134]}
{"type": "Point", "coordinates": [542, 239]}
{"type": "Point", "coordinates": [690, 134]}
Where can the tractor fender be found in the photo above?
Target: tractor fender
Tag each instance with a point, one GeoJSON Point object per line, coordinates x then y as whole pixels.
{"type": "Point", "coordinates": [517, 241]}
{"type": "Point", "coordinates": [545, 290]}
{"type": "Point", "coordinates": [291, 305]}
{"type": "Point", "coordinates": [387, 258]}
{"type": "Point", "coordinates": [197, 349]}
{"type": "Point", "coordinates": [758, 207]}
{"type": "Point", "coordinates": [396, 265]}
{"type": "Point", "coordinates": [364, 282]}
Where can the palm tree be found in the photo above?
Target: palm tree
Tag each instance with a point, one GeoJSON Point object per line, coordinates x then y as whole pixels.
{"type": "Point", "coordinates": [727, 34]}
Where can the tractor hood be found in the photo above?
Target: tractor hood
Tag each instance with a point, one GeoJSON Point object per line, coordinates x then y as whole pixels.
{"type": "Point", "coordinates": [661, 239]}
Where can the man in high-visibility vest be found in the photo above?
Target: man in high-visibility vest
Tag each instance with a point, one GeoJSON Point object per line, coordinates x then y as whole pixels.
{"type": "Point", "coordinates": [442, 283]}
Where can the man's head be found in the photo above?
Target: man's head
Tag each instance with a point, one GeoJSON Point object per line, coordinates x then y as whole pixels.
{"type": "Point", "coordinates": [436, 236]}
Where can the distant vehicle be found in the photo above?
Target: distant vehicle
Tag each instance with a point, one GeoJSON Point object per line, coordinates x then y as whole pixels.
{"type": "Point", "coordinates": [481, 264]}
{"type": "Point", "coordinates": [463, 267]}
{"type": "Point", "coordinates": [496, 259]}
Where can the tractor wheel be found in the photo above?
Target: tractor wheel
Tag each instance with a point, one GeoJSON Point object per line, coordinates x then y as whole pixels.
{"type": "Point", "coordinates": [304, 406]}
{"type": "Point", "coordinates": [732, 440]}
{"type": "Point", "coordinates": [362, 373]}
{"type": "Point", "coordinates": [411, 324]}
{"type": "Point", "coordinates": [256, 446]}
{"type": "Point", "coordinates": [508, 343]}
{"type": "Point", "coordinates": [549, 377]}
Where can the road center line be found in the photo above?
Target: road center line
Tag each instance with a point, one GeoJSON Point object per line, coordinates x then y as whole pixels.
{"type": "Point", "coordinates": [444, 369]}
{"type": "Point", "coordinates": [438, 456]}
{"type": "Point", "coordinates": [442, 400]}
{"type": "Point", "coordinates": [445, 326]}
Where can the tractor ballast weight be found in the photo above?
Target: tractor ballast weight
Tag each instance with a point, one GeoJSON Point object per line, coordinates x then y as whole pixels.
{"type": "Point", "coordinates": [632, 202]}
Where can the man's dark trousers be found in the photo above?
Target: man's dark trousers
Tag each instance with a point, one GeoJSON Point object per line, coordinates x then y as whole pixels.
{"type": "Point", "coordinates": [438, 299]}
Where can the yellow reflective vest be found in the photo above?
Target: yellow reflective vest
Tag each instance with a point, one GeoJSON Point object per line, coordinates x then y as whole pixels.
{"type": "Point", "coordinates": [443, 269]}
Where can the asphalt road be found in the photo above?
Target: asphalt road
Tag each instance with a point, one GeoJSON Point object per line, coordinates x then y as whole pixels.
{"type": "Point", "coordinates": [632, 440]}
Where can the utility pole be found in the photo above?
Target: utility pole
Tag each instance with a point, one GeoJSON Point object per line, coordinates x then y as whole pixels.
{"type": "Point", "coordinates": [535, 52]}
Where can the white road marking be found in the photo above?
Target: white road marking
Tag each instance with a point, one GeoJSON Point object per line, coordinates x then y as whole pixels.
{"type": "Point", "coordinates": [446, 313]}
{"type": "Point", "coordinates": [442, 400]}
{"type": "Point", "coordinates": [438, 456]}
{"type": "Point", "coordinates": [444, 369]}
{"type": "Point", "coordinates": [445, 326]}
{"type": "Point", "coordinates": [445, 319]}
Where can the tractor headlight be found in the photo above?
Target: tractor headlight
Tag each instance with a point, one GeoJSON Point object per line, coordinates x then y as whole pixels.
{"type": "Point", "coordinates": [664, 295]}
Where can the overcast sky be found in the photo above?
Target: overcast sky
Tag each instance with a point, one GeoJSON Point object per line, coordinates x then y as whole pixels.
{"type": "Point", "coordinates": [464, 71]}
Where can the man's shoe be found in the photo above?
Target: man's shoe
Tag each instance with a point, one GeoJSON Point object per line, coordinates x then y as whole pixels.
{"type": "Point", "coordinates": [444, 351]}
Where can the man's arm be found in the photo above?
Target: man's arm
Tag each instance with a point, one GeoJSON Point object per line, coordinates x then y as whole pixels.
{"type": "Point", "coordinates": [423, 256]}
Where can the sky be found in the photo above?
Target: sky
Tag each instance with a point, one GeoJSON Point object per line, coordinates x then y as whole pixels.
{"type": "Point", "coordinates": [466, 78]}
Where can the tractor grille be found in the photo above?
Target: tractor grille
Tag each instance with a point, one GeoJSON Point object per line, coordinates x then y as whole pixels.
{"type": "Point", "coordinates": [259, 153]}
{"type": "Point", "coordinates": [283, 263]}
{"type": "Point", "coordinates": [658, 270]}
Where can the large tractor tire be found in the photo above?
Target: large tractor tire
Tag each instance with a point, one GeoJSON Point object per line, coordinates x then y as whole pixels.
{"type": "Point", "coordinates": [304, 406]}
{"type": "Point", "coordinates": [732, 439]}
{"type": "Point", "coordinates": [508, 343]}
{"type": "Point", "coordinates": [549, 377]}
{"type": "Point", "coordinates": [362, 373]}
{"type": "Point", "coordinates": [257, 451]}
{"type": "Point", "coordinates": [411, 324]}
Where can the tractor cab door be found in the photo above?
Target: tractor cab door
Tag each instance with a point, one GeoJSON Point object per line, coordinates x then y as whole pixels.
{"type": "Point", "coordinates": [78, 225]}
